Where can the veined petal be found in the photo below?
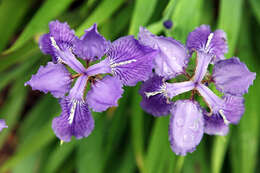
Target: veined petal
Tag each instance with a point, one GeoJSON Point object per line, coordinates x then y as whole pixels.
{"type": "Point", "coordinates": [91, 46]}
{"type": "Point", "coordinates": [203, 61]}
{"type": "Point", "coordinates": [2, 124]}
{"type": "Point", "coordinates": [214, 125]}
{"type": "Point", "coordinates": [154, 99]}
{"type": "Point", "coordinates": [174, 89]}
{"type": "Point", "coordinates": [46, 47]}
{"type": "Point", "coordinates": [232, 76]}
{"type": "Point", "coordinates": [172, 58]}
{"type": "Point", "coordinates": [230, 108]}
{"type": "Point", "coordinates": [233, 108]}
{"type": "Point", "coordinates": [53, 78]}
{"type": "Point", "coordinates": [60, 37]}
{"type": "Point", "coordinates": [62, 34]}
{"type": "Point", "coordinates": [104, 93]}
{"type": "Point", "coordinates": [80, 126]}
{"type": "Point", "coordinates": [130, 61]}
{"type": "Point", "coordinates": [186, 126]}
{"type": "Point", "coordinates": [75, 119]}
{"type": "Point", "coordinates": [202, 39]}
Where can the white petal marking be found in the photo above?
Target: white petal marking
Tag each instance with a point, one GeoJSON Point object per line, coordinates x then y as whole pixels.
{"type": "Point", "coordinates": [209, 40]}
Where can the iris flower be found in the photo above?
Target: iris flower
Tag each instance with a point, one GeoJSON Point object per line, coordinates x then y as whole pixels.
{"type": "Point", "coordinates": [189, 120]}
{"type": "Point", "coordinates": [126, 62]}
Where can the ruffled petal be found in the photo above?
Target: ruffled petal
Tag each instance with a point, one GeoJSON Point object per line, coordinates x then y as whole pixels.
{"type": "Point", "coordinates": [130, 62]}
{"type": "Point", "coordinates": [75, 119]}
{"type": "Point", "coordinates": [91, 46]}
{"type": "Point", "coordinates": [53, 78]}
{"type": "Point", "coordinates": [81, 125]}
{"type": "Point", "coordinates": [104, 93]}
{"type": "Point", "coordinates": [62, 34]}
{"type": "Point", "coordinates": [214, 125]}
{"type": "Point", "coordinates": [186, 126]}
{"type": "Point", "coordinates": [233, 108]}
{"type": "Point", "coordinates": [154, 100]}
{"type": "Point", "coordinates": [46, 47]}
{"type": "Point", "coordinates": [230, 107]}
{"type": "Point", "coordinates": [2, 124]}
{"type": "Point", "coordinates": [202, 39]}
{"type": "Point", "coordinates": [172, 58]}
{"type": "Point", "coordinates": [232, 76]}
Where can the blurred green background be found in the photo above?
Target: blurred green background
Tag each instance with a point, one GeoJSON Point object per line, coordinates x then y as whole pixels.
{"type": "Point", "coordinates": [125, 139]}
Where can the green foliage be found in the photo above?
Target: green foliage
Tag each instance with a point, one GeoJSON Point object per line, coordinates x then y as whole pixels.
{"type": "Point", "coordinates": [125, 139]}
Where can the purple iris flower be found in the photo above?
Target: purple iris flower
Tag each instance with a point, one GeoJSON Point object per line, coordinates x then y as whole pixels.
{"type": "Point", "coordinates": [2, 125]}
{"type": "Point", "coordinates": [189, 121]}
{"type": "Point", "coordinates": [126, 62]}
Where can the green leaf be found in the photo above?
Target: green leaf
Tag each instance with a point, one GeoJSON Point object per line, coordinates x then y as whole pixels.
{"type": "Point", "coordinates": [35, 143]}
{"type": "Point", "coordinates": [57, 157]}
{"type": "Point", "coordinates": [11, 75]}
{"type": "Point", "coordinates": [12, 13]}
{"type": "Point", "coordinates": [186, 17]}
{"type": "Point", "coordinates": [12, 108]}
{"type": "Point", "coordinates": [90, 150]}
{"type": "Point", "coordinates": [219, 147]}
{"type": "Point", "coordinates": [103, 11]}
{"type": "Point", "coordinates": [247, 135]}
{"type": "Point", "coordinates": [47, 12]}
{"type": "Point", "coordinates": [230, 21]}
{"type": "Point", "coordinates": [137, 129]}
{"type": "Point", "coordinates": [159, 146]}
{"type": "Point", "coordinates": [143, 11]}
{"type": "Point", "coordinates": [29, 50]}
{"type": "Point", "coordinates": [255, 4]}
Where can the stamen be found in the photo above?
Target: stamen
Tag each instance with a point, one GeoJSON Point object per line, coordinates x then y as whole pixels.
{"type": "Point", "coordinates": [72, 111]}
{"type": "Point", "coordinates": [113, 65]}
{"type": "Point", "coordinates": [224, 117]}
{"type": "Point", "coordinates": [61, 142]}
{"type": "Point", "coordinates": [209, 40]}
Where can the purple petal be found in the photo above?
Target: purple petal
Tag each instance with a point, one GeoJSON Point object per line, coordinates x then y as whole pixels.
{"type": "Point", "coordinates": [232, 76]}
{"type": "Point", "coordinates": [203, 61]}
{"type": "Point", "coordinates": [214, 125]}
{"type": "Point", "coordinates": [53, 78]}
{"type": "Point", "coordinates": [186, 126]}
{"type": "Point", "coordinates": [67, 57]}
{"type": "Point", "coordinates": [172, 58]}
{"type": "Point", "coordinates": [104, 93]}
{"type": "Point", "coordinates": [202, 39]}
{"type": "Point", "coordinates": [102, 67]}
{"type": "Point", "coordinates": [75, 119]}
{"type": "Point", "coordinates": [230, 108]}
{"type": "Point", "coordinates": [78, 89]}
{"type": "Point", "coordinates": [174, 89]}
{"type": "Point", "coordinates": [91, 46]}
{"type": "Point", "coordinates": [158, 104]}
{"type": "Point", "coordinates": [46, 47]}
{"type": "Point", "coordinates": [130, 62]}
{"type": "Point", "coordinates": [2, 124]}
{"type": "Point", "coordinates": [233, 108]}
{"type": "Point", "coordinates": [62, 34]}
{"type": "Point", "coordinates": [80, 126]}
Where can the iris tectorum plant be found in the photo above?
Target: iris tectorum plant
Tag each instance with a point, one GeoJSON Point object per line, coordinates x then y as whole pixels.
{"type": "Point", "coordinates": [125, 62]}
{"type": "Point", "coordinates": [189, 120]}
